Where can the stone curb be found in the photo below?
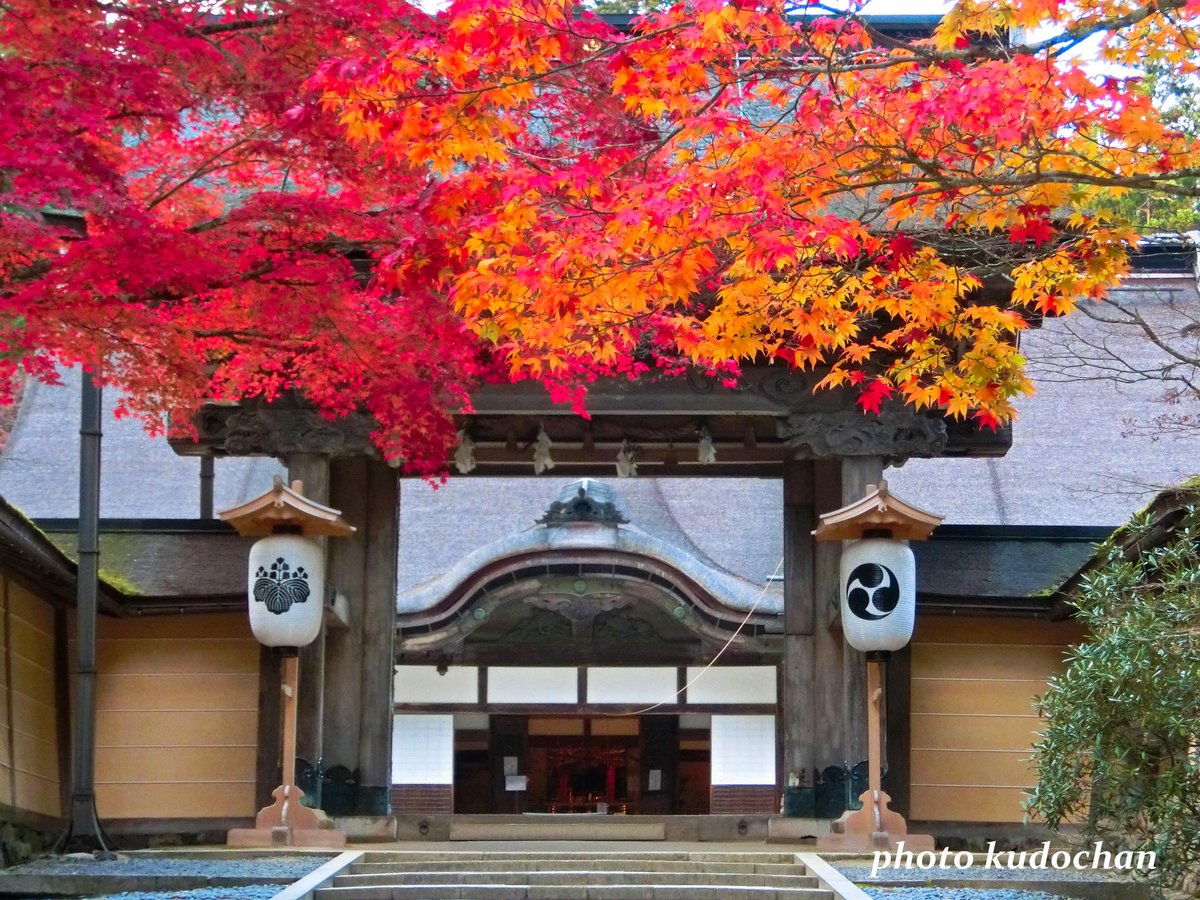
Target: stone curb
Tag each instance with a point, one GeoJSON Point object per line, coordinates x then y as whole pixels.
{"type": "Point", "coordinates": [830, 878]}
{"type": "Point", "coordinates": [319, 878]}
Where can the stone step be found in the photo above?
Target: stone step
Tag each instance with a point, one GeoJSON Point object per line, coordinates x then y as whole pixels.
{"type": "Point", "coordinates": [603, 828]}
{"type": "Point", "coordinates": [460, 856]}
{"type": "Point", "coordinates": [606, 864]}
{"type": "Point", "coordinates": [647, 891]}
{"type": "Point", "coordinates": [570, 877]}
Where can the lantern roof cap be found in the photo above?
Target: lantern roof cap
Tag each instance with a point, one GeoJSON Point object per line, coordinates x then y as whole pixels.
{"type": "Point", "coordinates": [879, 510]}
{"type": "Point", "coordinates": [283, 509]}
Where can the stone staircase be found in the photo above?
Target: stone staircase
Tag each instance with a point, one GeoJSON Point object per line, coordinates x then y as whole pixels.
{"type": "Point", "coordinates": [575, 875]}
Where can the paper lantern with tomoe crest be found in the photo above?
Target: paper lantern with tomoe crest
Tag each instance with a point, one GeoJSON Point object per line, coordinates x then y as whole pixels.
{"type": "Point", "coordinates": [878, 571]}
{"type": "Point", "coordinates": [879, 596]}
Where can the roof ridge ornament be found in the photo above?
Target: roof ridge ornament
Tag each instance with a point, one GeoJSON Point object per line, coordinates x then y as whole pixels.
{"type": "Point", "coordinates": [587, 501]}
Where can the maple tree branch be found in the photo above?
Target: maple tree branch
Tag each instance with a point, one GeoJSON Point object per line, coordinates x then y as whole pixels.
{"type": "Point", "coordinates": [214, 28]}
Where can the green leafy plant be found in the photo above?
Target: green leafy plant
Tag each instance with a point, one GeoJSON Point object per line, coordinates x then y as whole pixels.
{"type": "Point", "coordinates": [1120, 753]}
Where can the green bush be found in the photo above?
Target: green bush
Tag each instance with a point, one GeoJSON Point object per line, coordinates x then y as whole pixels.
{"type": "Point", "coordinates": [1119, 750]}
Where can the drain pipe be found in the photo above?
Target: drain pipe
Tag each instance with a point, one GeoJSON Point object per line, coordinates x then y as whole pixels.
{"type": "Point", "coordinates": [83, 825]}
{"type": "Point", "coordinates": [206, 487]}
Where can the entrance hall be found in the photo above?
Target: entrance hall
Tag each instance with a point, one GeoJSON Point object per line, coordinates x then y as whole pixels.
{"type": "Point", "coordinates": [633, 743]}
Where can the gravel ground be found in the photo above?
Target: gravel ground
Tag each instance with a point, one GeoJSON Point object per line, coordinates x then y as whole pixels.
{"type": "Point", "coordinates": [224, 893]}
{"type": "Point", "coordinates": [285, 868]}
{"type": "Point", "coordinates": [861, 874]}
{"type": "Point", "coordinates": [936, 893]}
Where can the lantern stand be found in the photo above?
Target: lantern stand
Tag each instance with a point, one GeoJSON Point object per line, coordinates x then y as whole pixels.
{"type": "Point", "coordinates": [286, 606]}
{"type": "Point", "coordinates": [878, 609]}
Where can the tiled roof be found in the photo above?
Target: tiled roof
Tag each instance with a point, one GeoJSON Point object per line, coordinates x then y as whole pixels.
{"type": "Point", "coordinates": [141, 477]}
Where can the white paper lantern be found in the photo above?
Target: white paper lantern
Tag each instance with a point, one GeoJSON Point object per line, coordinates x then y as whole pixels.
{"type": "Point", "coordinates": [287, 590]}
{"type": "Point", "coordinates": [879, 594]}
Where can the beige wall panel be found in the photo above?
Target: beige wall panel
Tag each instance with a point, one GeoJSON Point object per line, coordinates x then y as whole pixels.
{"type": "Point", "coordinates": [174, 801]}
{"type": "Point", "coordinates": [145, 692]}
{"type": "Point", "coordinates": [34, 717]}
{"type": "Point", "coordinates": [32, 679]}
{"type": "Point", "coordinates": [973, 732]}
{"type": "Point", "coordinates": [33, 609]}
{"type": "Point", "coordinates": [958, 696]}
{"type": "Point", "coordinates": [35, 757]}
{"type": "Point", "coordinates": [973, 720]}
{"type": "Point", "coordinates": [38, 794]}
{"type": "Point", "coordinates": [967, 804]}
{"type": "Point", "coordinates": [177, 728]}
{"type": "Point", "coordinates": [954, 630]}
{"type": "Point", "coordinates": [987, 661]}
{"type": "Point", "coordinates": [177, 711]}
{"type": "Point", "coordinates": [947, 767]}
{"type": "Point", "coordinates": [199, 655]}
{"type": "Point", "coordinates": [186, 628]}
{"type": "Point", "coordinates": [27, 675]}
{"type": "Point", "coordinates": [31, 642]}
{"type": "Point", "coordinates": [130, 765]}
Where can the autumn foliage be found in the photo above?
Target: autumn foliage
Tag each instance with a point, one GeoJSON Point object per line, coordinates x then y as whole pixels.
{"type": "Point", "coordinates": [378, 207]}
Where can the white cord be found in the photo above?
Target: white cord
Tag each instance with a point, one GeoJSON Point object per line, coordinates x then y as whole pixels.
{"type": "Point", "coordinates": [711, 662]}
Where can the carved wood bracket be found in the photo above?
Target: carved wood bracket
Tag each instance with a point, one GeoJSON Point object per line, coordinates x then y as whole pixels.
{"type": "Point", "coordinates": [894, 435]}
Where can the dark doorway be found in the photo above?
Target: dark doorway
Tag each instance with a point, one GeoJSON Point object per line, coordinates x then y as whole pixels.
{"type": "Point", "coordinates": [616, 765]}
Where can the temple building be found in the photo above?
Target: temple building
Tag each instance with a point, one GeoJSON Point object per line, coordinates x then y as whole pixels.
{"type": "Point", "coordinates": [645, 627]}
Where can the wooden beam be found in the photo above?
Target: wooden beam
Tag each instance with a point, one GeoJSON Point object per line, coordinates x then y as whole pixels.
{"type": "Point", "coordinates": [584, 709]}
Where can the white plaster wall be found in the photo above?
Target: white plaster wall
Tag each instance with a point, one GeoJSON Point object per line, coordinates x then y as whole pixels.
{"type": "Point", "coordinates": [731, 684]}
{"type": "Point", "coordinates": [631, 684]}
{"type": "Point", "coordinates": [423, 749]}
{"type": "Point", "coordinates": [743, 749]}
{"type": "Point", "coordinates": [549, 684]}
{"type": "Point", "coordinates": [423, 684]}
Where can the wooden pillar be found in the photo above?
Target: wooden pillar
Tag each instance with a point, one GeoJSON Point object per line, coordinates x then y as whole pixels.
{"type": "Point", "coordinates": [857, 473]}
{"type": "Point", "coordinates": [313, 470]}
{"type": "Point", "coordinates": [290, 687]}
{"type": "Point", "coordinates": [828, 646]}
{"type": "Point", "coordinates": [359, 659]}
{"type": "Point", "coordinates": [378, 640]}
{"type": "Point", "coordinates": [344, 646]}
{"type": "Point", "coordinates": [798, 706]}
{"type": "Point", "coordinates": [268, 770]}
{"type": "Point", "coordinates": [897, 737]}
